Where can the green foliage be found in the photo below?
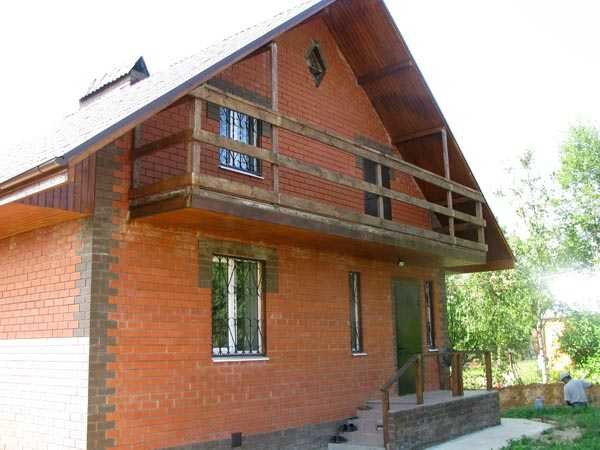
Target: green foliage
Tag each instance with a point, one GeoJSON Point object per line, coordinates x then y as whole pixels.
{"type": "Point", "coordinates": [579, 204]}
{"type": "Point", "coordinates": [485, 311]}
{"type": "Point", "coordinates": [581, 338]}
{"type": "Point", "coordinates": [559, 227]}
{"type": "Point", "coordinates": [498, 311]}
{"type": "Point", "coordinates": [586, 419]}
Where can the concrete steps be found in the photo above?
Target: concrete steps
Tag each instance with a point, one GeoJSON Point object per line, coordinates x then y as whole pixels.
{"type": "Point", "coordinates": [368, 436]}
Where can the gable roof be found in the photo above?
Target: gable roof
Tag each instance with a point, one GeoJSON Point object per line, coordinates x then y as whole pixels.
{"type": "Point", "coordinates": [374, 49]}
{"type": "Point", "coordinates": [119, 110]}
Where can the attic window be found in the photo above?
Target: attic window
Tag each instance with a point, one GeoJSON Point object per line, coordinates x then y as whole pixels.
{"type": "Point", "coordinates": [316, 63]}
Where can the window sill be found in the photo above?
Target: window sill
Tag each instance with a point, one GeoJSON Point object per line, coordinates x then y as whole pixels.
{"type": "Point", "coordinates": [241, 172]}
{"type": "Point", "coordinates": [236, 359]}
{"type": "Point", "coordinates": [432, 350]}
{"type": "Point", "coordinates": [359, 354]}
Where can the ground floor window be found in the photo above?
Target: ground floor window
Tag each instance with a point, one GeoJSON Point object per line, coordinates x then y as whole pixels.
{"type": "Point", "coordinates": [429, 315]}
{"type": "Point", "coordinates": [355, 315]}
{"type": "Point", "coordinates": [237, 307]}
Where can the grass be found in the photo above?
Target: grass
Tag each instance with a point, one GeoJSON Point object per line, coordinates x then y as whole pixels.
{"type": "Point", "coordinates": [474, 374]}
{"type": "Point", "coordinates": [587, 420]}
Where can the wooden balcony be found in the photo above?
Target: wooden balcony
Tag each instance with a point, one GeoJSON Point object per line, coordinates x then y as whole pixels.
{"type": "Point", "coordinates": [193, 196]}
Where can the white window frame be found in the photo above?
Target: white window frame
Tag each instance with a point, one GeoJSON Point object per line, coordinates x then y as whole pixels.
{"type": "Point", "coordinates": [224, 352]}
{"type": "Point", "coordinates": [234, 133]}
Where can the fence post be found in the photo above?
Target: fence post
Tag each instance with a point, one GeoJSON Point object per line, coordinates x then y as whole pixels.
{"type": "Point", "coordinates": [454, 376]}
{"type": "Point", "coordinates": [385, 406]}
{"type": "Point", "coordinates": [488, 371]}
{"type": "Point", "coordinates": [459, 364]}
{"type": "Point", "coordinates": [419, 379]}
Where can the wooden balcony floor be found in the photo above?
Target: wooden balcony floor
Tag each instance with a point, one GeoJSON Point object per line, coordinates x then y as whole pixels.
{"type": "Point", "coordinates": [229, 216]}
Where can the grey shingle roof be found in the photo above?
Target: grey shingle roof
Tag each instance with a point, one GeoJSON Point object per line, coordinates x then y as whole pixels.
{"type": "Point", "coordinates": [118, 109]}
{"type": "Point", "coordinates": [119, 71]}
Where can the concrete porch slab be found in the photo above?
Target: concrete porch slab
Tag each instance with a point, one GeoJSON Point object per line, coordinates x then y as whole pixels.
{"type": "Point", "coordinates": [494, 438]}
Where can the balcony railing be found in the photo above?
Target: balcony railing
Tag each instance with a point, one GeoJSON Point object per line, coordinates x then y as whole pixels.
{"type": "Point", "coordinates": [469, 223]}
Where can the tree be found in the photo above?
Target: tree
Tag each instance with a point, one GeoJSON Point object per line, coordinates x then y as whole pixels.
{"type": "Point", "coordinates": [497, 311]}
{"type": "Point", "coordinates": [581, 341]}
{"type": "Point", "coordinates": [581, 337]}
{"type": "Point", "coordinates": [500, 310]}
{"type": "Point", "coordinates": [487, 311]}
{"type": "Point", "coordinates": [579, 176]}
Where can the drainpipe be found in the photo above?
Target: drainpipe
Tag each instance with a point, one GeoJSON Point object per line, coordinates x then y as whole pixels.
{"type": "Point", "coordinates": [48, 166]}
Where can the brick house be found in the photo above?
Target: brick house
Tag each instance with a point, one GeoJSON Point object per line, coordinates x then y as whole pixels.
{"type": "Point", "coordinates": [238, 250]}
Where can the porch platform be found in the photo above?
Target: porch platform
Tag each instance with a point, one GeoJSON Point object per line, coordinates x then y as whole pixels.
{"type": "Point", "coordinates": [440, 418]}
{"type": "Point", "coordinates": [430, 398]}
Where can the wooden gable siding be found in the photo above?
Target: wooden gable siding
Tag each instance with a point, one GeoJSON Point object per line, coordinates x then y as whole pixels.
{"type": "Point", "coordinates": [76, 195]}
{"type": "Point", "coordinates": [67, 201]}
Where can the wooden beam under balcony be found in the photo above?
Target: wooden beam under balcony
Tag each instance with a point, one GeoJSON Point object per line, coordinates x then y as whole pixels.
{"type": "Point", "coordinates": [147, 196]}
{"type": "Point", "coordinates": [221, 204]}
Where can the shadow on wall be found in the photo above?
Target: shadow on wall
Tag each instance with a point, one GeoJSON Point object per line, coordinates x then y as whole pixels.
{"type": "Point", "coordinates": [525, 395]}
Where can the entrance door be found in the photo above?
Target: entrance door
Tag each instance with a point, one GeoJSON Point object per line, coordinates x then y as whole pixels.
{"type": "Point", "coordinates": [405, 295]}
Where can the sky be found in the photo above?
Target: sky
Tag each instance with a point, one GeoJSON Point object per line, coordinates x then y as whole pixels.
{"type": "Point", "coordinates": [509, 75]}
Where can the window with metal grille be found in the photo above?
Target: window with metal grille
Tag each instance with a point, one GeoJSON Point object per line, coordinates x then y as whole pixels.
{"type": "Point", "coordinates": [242, 128]}
{"type": "Point", "coordinates": [355, 315]}
{"type": "Point", "coordinates": [237, 309]}
{"type": "Point", "coordinates": [429, 315]}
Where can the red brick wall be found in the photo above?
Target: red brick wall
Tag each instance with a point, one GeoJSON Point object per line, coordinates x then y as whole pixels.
{"type": "Point", "coordinates": [168, 389]}
{"type": "Point", "coordinates": [168, 162]}
{"type": "Point", "coordinates": [38, 276]}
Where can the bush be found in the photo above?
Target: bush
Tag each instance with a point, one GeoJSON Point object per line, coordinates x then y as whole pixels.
{"type": "Point", "coordinates": [581, 340]}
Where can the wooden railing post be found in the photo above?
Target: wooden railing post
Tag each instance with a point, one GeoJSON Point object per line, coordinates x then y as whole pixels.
{"type": "Point", "coordinates": [459, 375]}
{"type": "Point", "coordinates": [453, 373]}
{"type": "Point", "coordinates": [488, 371]}
{"type": "Point", "coordinates": [385, 405]}
{"type": "Point", "coordinates": [194, 147]}
{"type": "Point", "coordinates": [379, 182]}
{"type": "Point", "coordinates": [480, 228]}
{"type": "Point", "coordinates": [275, 106]}
{"type": "Point", "coordinates": [420, 385]}
{"type": "Point", "coordinates": [446, 161]}
{"type": "Point", "coordinates": [457, 381]}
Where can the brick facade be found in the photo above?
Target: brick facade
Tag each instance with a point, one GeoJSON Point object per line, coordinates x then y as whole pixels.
{"type": "Point", "coordinates": [38, 283]}
{"type": "Point", "coordinates": [140, 297]}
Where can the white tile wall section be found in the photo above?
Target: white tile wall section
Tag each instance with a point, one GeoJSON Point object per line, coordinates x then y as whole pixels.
{"type": "Point", "coordinates": [43, 393]}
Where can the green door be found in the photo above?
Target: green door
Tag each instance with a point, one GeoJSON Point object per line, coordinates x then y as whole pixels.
{"type": "Point", "coordinates": [405, 295]}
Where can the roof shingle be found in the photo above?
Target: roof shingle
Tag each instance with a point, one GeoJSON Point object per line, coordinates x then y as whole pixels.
{"type": "Point", "coordinates": [117, 108]}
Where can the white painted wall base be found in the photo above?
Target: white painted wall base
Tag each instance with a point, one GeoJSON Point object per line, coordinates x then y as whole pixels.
{"type": "Point", "coordinates": [43, 394]}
